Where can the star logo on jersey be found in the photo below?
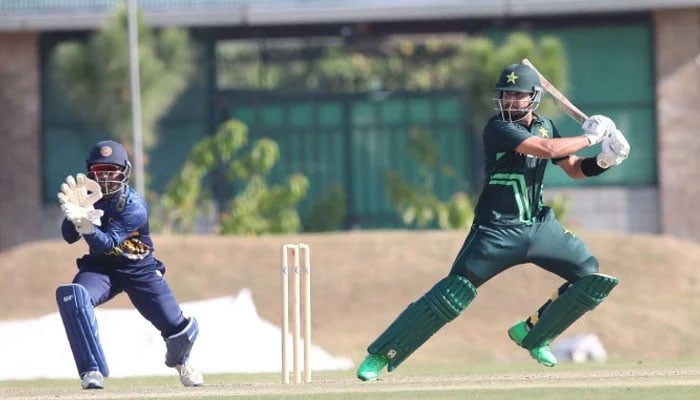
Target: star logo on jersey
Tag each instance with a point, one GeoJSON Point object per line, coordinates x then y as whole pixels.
{"type": "Point", "coordinates": [511, 78]}
{"type": "Point", "coordinates": [543, 132]}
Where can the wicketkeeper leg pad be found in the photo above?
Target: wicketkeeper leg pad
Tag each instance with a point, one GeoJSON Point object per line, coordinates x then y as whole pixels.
{"type": "Point", "coordinates": [179, 345]}
{"type": "Point", "coordinates": [568, 305]}
{"type": "Point", "coordinates": [80, 323]}
{"type": "Point", "coordinates": [415, 325]}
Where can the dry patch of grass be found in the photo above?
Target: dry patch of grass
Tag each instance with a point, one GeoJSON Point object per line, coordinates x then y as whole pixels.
{"type": "Point", "coordinates": [362, 280]}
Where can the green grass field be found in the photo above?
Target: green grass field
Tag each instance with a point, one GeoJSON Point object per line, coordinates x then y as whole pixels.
{"type": "Point", "coordinates": [619, 381]}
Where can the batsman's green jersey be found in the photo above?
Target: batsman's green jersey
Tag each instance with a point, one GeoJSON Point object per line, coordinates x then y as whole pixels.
{"type": "Point", "coordinates": [511, 224]}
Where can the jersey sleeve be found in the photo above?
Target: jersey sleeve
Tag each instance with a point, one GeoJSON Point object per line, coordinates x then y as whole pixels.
{"type": "Point", "coordinates": [68, 231]}
{"type": "Point", "coordinates": [133, 217]}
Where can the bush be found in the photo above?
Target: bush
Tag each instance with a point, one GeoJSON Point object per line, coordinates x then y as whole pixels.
{"type": "Point", "coordinates": [328, 212]}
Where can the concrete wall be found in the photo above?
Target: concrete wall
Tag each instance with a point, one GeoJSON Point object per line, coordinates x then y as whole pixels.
{"type": "Point", "coordinates": [617, 209]}
{"type": "Point", "coordinates": [20, 151]}
{"type": "Point", "coordinates": [678, 117]}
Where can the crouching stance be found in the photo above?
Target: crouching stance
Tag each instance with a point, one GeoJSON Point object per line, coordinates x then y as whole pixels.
{"type": "Point", "coordinates": [112, 219]}
{"type": "Point", "coordinates": [512, 226]}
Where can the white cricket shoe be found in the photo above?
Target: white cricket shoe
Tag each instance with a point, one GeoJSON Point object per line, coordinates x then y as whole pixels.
{"type": "Point", "coordinates": [92, 380]}
{"type": "Point", "coordinates": [189, 375]}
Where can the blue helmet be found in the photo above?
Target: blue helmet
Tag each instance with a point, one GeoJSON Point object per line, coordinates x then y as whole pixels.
{"type": "Point", "coordinates": [108, 164]}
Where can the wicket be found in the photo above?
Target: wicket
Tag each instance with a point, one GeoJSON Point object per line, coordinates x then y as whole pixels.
{"type": "Point", "coordinates": [299, 313]}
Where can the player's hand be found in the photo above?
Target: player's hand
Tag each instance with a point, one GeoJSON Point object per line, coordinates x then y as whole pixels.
{"type": "Point", "coordinates": [596, 128]}
{"type": "Point", "coordinates": [81, 191]}
{"type": "Point", "coordinates": [83, 218]}
{"type": "Point", "coordinates": [619, 144]}
{"type": "Point", "coordinates": [84, 227]}
{"type": "Point", "coordinates": [615, 150]}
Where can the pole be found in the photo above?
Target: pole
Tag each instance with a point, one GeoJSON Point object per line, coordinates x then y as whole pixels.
{"type": "Point", "coordinates": [135, 98]}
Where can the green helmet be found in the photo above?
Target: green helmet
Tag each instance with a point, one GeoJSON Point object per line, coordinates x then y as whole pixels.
{"type": "Point", "coordinates": [517, 78]}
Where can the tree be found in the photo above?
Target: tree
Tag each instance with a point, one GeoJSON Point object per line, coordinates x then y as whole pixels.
{"type": "Point", "coordinates": [393, 63]}
{"type": "Point", "coordinates": [95, 74]}
{"type": "Point", "coordinates": [416, 204]}
{"type": "Point", "coordinates": [254, 207]}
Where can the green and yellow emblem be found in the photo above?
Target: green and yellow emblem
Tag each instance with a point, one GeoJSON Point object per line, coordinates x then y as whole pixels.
{"type": "Point", "coordinates": [511, 78]}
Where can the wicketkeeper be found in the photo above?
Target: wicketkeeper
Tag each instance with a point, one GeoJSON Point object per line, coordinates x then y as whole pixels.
{"type": "Point", "coordinates": [112, 218]}
{"type": "Point", "coordinates": [512, 226]}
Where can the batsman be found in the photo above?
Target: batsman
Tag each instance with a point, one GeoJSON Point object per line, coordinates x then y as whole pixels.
{"type": "Point", "coordinates": [512, 226]}
{"type": "Point", "coordinates": [112, 219]}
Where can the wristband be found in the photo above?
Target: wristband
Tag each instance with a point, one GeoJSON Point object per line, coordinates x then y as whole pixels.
{"type": "Point", "coordinates": [590, 167]}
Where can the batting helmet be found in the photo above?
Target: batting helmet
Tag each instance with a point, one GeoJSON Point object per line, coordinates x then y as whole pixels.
{"type": "Point", "coordinates": [518, 78]}
{"type": "Point", "coordinates": [108, 164]}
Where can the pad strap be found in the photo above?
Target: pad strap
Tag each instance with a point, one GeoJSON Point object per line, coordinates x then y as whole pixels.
{"type": "Point", "coordinates": [179, 345]}
{"type": "Point", "coordinates": [80, 323]}
{"type": "Point", "coordinates": [567, 305]}
{"type": "Point", "coordinates": [417, 323]}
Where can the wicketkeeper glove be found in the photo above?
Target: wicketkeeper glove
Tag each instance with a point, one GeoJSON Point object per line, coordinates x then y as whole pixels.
{"type": "Point", "coordinates": [83, 218]}
{"type": "Point", "coordinates": [596, 128]}
{"type": "Point", "coordinates": [81, 191]}
{"type": "Point", "coordinates": [77, 197]}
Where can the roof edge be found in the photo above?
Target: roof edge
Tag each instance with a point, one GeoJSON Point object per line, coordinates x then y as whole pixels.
{"type": "Point", "coordinates": [266, 15]}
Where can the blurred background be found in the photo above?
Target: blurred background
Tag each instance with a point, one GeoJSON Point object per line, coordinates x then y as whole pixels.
{"type": "Point", "coordinates": [305, 116]}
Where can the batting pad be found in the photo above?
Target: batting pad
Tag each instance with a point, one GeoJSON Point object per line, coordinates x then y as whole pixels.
{"type": "Point", "coordinates": [417, 323]}
{"type": "Point", "coordinates": [180, 344]}
{"type": "Point", "coordinates": [78, 315]}
{"type": "Point", "coordinates": [582, 296]}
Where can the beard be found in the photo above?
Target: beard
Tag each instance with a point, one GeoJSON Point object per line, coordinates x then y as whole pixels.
{"type": "Point", "coordinates": [514, 115]}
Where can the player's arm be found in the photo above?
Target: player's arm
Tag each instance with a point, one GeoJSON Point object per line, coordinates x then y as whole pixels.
{"type": "Point", "coordinates": [552, 148]}
{"type": "Point", "coordinates": [572, 166]}
{"type": "Point", "coordinates": [614, 151]}
{"type": "Point", "coordinates": [579, 168]}
{"type": "Point", "coordinates": [131, 219]}
{"type": "Point", "coordinates": [594, 128]}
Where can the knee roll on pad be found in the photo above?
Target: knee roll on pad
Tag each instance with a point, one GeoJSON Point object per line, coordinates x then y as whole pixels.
{"type": "Point", "coordinates": [80, 323]}
{"type": "Point", "coordinates": [582, 296]}
{"type": "Point", "coordinates": [596, 287]}
{"type": "Point", "coordinates": [179, 345]}
{"type": "Point", "coordinates": [417, 323]}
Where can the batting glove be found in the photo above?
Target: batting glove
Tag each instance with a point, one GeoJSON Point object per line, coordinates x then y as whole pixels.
{"type": "Point", "coordinates": [619, 144]}
{"type": "Point", "coordinates": [596, 128]}
{"type": "Point", "coordinates": [616, 149]}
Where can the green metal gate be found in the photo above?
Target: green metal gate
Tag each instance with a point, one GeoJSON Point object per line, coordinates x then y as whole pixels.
{"type": "Point", "coordinates": [355, 140]}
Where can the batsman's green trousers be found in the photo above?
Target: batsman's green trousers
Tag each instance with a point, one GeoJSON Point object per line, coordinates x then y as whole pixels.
{"type": "Point", "coordinates": [491, 249]}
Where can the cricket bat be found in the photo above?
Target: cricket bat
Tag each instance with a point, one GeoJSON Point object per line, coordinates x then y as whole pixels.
{"type": "Point", "coordinates": [561, 101]}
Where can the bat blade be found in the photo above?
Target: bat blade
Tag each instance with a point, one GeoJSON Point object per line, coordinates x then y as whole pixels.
{"type": "Point", "coordinates": [561, 101]}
